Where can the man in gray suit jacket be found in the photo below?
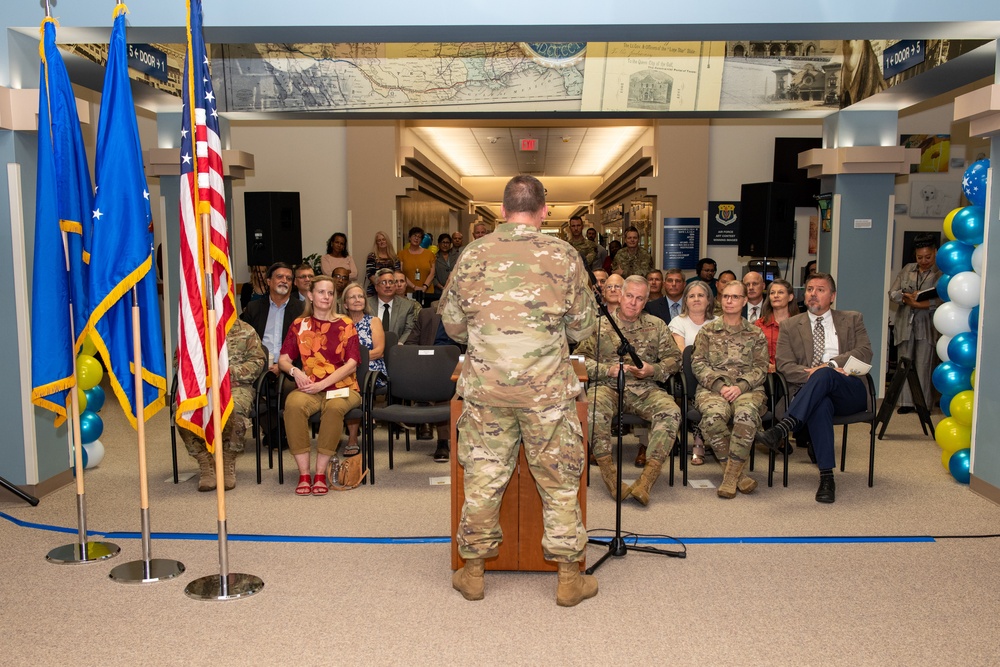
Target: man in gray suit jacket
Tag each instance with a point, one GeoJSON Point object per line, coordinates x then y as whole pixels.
{"type": "Point", "coordinates": [813, 348]}
{"type": "Point", "coordinates": [400, 309]}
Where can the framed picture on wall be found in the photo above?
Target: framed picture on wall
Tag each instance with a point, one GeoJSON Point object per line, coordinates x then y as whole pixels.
{"type": "Point", "coordinates": [933, 198]}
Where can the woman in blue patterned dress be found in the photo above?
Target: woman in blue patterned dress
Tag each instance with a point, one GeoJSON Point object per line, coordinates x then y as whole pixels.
{"type": "Point", "coordinates": [354, 304]}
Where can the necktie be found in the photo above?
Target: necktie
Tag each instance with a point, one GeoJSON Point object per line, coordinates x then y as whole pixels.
{"type": "Point", "coordinates": [675, 309]}
{"type": "Point", "coordinates": [819, 342]}
{"type": "Point", "coordinates": [753, 313]}
{"type": "Point", "coordinates": [385, 316]}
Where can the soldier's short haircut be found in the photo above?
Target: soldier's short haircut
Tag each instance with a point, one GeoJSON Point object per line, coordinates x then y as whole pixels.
{"type": "Point", "coordinates": [823, 276]}
{"type": "Point", "coordinates": [673, 272]}
{"type": "Point", "coordinates": [652, 271]}
{"type": "Point", "coordinates": [575, 217]}
{"type": "Point", "coordinates": [636, 280]}
{"type": "Point", "coordinates": [523, 194]}
{"type": "Point", "coordinates": [630, 230]}
{"type": "Point", "coordinates": [743, 287]}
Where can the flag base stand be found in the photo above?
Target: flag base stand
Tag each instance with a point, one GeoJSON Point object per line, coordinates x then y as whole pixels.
{"type": "Point", "coordinates": [233, 587]}
{"type": "Point", "coordinates": [146, 571]}
{"type": "Point", "coordinates": [79, 554]}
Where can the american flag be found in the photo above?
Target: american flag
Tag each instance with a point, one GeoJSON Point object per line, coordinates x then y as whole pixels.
{"type": "Point", "coordinates": [202, 192]}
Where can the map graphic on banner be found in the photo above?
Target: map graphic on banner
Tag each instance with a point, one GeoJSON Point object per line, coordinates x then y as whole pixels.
{"type": "Point", "coordinates": [653, 76]}
{"type": "Point", "coordinates": [372, 76]}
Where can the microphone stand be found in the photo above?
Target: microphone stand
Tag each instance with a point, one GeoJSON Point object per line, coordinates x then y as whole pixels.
{"type": "Point", "coordinates": [617, 546]}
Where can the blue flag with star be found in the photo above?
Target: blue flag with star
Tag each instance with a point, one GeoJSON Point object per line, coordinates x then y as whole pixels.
{"type": "Point", "coordinates": [63, 202]}
{"type": "Point", "coordinates": [121, 247]}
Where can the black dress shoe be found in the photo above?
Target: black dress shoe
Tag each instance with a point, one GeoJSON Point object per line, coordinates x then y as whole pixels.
{"type": "Point", "coordinates": [773, 438]}
{"type": "Point", "coordinates": [441, 453]}
{"type": "Point", "coordinates": [827, 492]}
{"type": "Point", "coordinates": [905, 410]}
{"type": "Point", "coordinates": [425, 432]}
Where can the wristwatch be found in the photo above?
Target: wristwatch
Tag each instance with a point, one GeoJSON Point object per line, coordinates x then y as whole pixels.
{"type": "Point", "coordinates": [831, 364]}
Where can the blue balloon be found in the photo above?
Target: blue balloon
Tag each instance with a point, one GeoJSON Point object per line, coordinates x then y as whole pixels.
{"type": "Point", "coordinates": [86, 460]}
{"type": "Point", "coordinates": [954, 257]}
{"type": "Point", "coordinates": [428, 240]}
{"type": "Point", "coordinates": [950, 378]}
{"type": "Point", "coordinates": [959, 464]}
{"type": "Point", "coordinates": [974, 182]}
{"type": "Point", "coordinates": [946, 404]}
{"type": "Point", "coordinates": [962, 349]}
{"type": "Point", "coordinates": [91, 427]}
{"type": "Point", "coordinates": [95, 398]}
{"type": "Point", "coordinates": [968, 225]}
{"type": "Point", "coordinates": [974, 319]}
{"type": "Point", "coordinates": [942, 288]}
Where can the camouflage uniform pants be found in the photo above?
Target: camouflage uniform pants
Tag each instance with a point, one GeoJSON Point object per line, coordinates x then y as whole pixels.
{"type": "Point", "coordinates": [234, 433]}
{"type": "Point", "coordinates": [300, 406]}
{"type": "Point", "coordinates": [487, 450]}
{"type": "Point", "coordinates": [654, 405]}
{"type": "Point", "coordinates": [716, 412]}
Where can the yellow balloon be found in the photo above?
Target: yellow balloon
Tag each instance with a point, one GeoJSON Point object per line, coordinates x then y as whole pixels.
{"type": "Point", "coordinates": [433, 249]}
{"type": "Point", "coordinates": [972, 378]}
{"type": "Point", "coordinates": [961, 407]}
{"type": "Point", "coordinates": [88, 372]}
{"type": "Point", "coordinates": [87, 346]}
{"type": "Point", "coordinates": [947, 224]}
{"type": "Point", "coordinates": [952, 435]}
{"type": "Point", "coordinates": [81, 398]}
{"type": "Point", "coordinates": [946, 458]}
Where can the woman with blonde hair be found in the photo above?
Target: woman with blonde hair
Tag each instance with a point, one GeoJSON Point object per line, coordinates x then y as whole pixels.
{"type": "Point", "coordinates": [327, 346]}
{"type": "Point", "coordinates": [354, 304]}
{"type": "Point", "coordinates": [382, 256]}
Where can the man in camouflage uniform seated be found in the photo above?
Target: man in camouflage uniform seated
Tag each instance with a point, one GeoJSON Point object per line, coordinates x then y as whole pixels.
{"type": "Point", "coordinates": [247, 360]}
{"type": "Point", "coordinates": [515, 296]}
{"type": "Point", "coordinates": [730, 362]}
{"type": "Point", "coordinates": [643, 396]}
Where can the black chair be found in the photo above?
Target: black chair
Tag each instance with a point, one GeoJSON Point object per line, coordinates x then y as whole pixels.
{"type": "Point", "coordinates": [254, 414]}
{"type": "Point", "coordinates": [868, 415]}
{"type": "Point", "coordinates": [418, 374]}
{"type": "Point", "coordinates": [673, 385]}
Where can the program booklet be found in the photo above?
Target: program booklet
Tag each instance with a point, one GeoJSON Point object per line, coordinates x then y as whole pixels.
{"type": "Point", "coordinates": [855, 366]}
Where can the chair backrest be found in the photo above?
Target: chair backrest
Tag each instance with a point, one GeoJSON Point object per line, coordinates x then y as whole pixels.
{"type": "Point", "coordinates": [391, 339]}
{"type": "Point", "coordinates": [422, 372]}
{"type": "Point", "coordinates": [362, 371]}
{"type": "Point", "coordinates": [689, 378]}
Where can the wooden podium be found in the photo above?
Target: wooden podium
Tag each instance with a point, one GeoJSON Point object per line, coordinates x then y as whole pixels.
{"type": "Point", "coordinates": [521, 509]}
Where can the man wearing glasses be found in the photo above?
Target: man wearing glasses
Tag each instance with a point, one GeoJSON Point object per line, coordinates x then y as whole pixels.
{"type": "Point", "coordinates": [396, 312]}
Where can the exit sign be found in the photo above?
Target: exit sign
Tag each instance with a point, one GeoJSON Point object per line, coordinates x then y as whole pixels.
{"type": "Point", "coordinates": [529, 144]}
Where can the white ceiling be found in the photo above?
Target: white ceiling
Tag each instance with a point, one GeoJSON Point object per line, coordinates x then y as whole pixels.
{"type": "Point", "coordinates": [482, 149]}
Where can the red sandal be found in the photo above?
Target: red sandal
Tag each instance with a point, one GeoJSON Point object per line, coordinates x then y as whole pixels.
{"type": "Point", "coordinates": [304, 487]}
{"type": "Point", "coordinates": [320, 487]}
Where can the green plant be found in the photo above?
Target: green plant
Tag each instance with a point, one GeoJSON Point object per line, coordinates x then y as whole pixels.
{"type": "Point", "coordinates": [313, 260]}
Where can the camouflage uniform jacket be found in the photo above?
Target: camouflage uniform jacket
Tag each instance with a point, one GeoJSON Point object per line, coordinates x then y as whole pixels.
{"type": "Point", "coordinates": [515, 296]}
{"type": "Point", "coordinates": [730, 355]}
{"type": "Point", "coordinates": [632, 264]}
{"type": "Point", "coordinates": [247, 358]}
{"type": "Point", "coordinates": [586, 248]}
{"type": "Point", "coordinates": [652, 341]}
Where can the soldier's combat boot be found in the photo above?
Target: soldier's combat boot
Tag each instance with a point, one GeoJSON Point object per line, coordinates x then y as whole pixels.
{"type": "Point", "coordinates": [229, 469]}
{"type": "Point", "coordinates": [640, 490]}
{"type": "Point", "coordinates": [609, 473]}
{"type": "Point", "coordinates": [573, 586]}
{"type": "Point", "coordinates": [747, 484]}
{"type": "Point", "coordinates": [206, 471]}
{"type": "Point", "coordinates": [469, 580]}
{"type": "Point", "coordinates": [734, 469]}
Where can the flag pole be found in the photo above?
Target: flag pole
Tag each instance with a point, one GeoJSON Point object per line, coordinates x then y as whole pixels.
{"type": "Point", "coordinates": [225, 585]}
{"type": "Point", "coordinates": [82, 551]}
{"type": "Point", "coordinates": [148, 570]}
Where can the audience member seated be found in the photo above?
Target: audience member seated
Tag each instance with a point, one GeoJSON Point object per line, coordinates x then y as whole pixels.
{"type": "Point", "coordinates": [655, 280]}
{"type": "Point", "coordinates": [613, 291]}
{"type": "Point", "coordinates": [670, 304]}
{"type": "Point", "coordinates": [382, 256]}
{"type": "Point", "coordinates": [255, 288]}
{"type": "Point", "coordinates": [326, 344]}
{"type": "Point", "coordinates": [812, 350]}
{"type": "Point", "coordinates": [695, 312]}
{"type": "Point", "coordinates": [706, 274]}
{"type": "Point", "coordinates": [354, 304]}
{"type": "Point", "coordinates": [600, 279]}
{"type": "Point", "coordinates": [418, 265]}
{"type": "Point", "coordinates": [337, 255]}
{"type": "Point", "coordinates": [725, 278]}
{"type": "Point", "coordinates": [754, 282]}
{"type": "Point", "coordinates": [643, 396]}
{"type": "Point", "coordinates": [396, 312]}
{"type": "Point", "coordinates": [341, 279]}
{"type": "Point", "coordinates": [303, 280]}
{"type": "Point", "coordinates": [247, 360]}
{"type": "Point", "coordinates": [399, 278]}
{"type": "Point", "coordinates": [778, 307]}
{"type": "Point", "coordinates": [632, 260]}
{"type": "Point", "coordinates": [730, 363]}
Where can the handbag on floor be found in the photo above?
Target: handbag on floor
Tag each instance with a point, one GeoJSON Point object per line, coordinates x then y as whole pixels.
{"type": "Point", "coordinates": [346, 473]}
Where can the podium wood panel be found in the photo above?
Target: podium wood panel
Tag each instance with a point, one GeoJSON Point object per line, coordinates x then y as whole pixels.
{"type": "Point", "coordinates": [521, 509]}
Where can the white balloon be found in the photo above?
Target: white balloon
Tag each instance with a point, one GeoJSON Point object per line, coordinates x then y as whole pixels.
{"type": "Point", "coordinates": [963, 289]}
{"type": "Point", "coordinates": [977, 259]}
{"type": "Point", "coordinates": [950, 319]}
{"type": "Point", "coordinates": [942, 347]}
{"type": "Point", "coordinates": [95, 453]}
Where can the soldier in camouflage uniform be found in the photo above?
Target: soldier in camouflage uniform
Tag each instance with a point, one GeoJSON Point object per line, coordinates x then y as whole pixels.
{"type": "Point", "coordinates": [730, 362]}
{"type": "Point", "coordinates": [632, 260]}
{"type": "Point", "coordinates": [247, 361]}
{"type": "Point", "coordinates": [583, 245]}
{"type": "Point", "coordinates": [515, 296]}
{"type": "Point", "coordinates": [643, 396]}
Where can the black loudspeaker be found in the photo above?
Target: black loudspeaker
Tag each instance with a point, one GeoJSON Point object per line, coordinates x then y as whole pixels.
{"type": "Point", "coordinates": [274, 228]}
{"type": "Point", "coordinates": [786, 168]}
{"type": "Point", "coordinates": [767, 220]}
